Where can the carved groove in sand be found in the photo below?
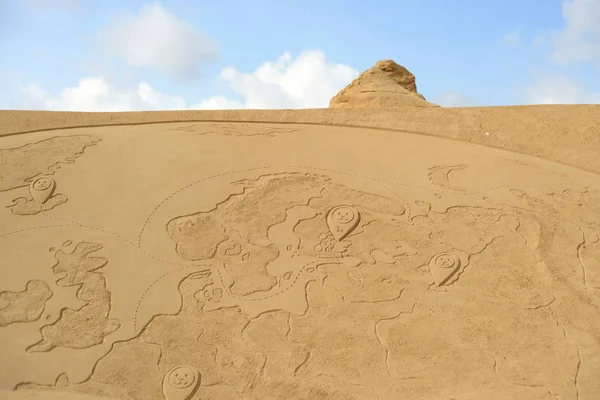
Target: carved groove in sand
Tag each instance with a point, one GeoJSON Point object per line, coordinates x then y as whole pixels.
{"type": "Point", "coordinates": [235, 129]}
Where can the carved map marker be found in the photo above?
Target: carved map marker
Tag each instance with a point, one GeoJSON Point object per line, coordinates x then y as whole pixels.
{"type": "Point", "coordinates": [181, 382]}
{"type": "Point", "coordinates": [42, 189]}
{"type": "Point", "coordinates": [342, 220]}
{"type": "Point", "coordinates": [443, 267]}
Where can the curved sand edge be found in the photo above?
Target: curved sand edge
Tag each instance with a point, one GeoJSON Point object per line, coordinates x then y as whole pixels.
{"type": "Point", "coordinates": [568, 134]}
{"type": "Point", "coordinates": [8, 395]}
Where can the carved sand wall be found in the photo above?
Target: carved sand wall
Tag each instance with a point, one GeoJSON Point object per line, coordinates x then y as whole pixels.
{"type": "Point", "coordinates": [224, 260]}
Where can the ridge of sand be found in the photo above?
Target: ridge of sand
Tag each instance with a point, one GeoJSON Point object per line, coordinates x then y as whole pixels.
{"type": "Point", "coordinates": [387, 84]}
{"type": "Point", "coordinates": [45, 395]}
{"type": "Point", "coordinates": [568, 134]}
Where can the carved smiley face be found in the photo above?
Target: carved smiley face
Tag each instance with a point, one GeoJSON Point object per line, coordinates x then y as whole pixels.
{"type": "Point", "coordinates": [446, 260]}
{"type": "Point", "coordinates": [43, 183]}
{"type": "Point", "coordinates": [182, 377]}
{"type": "Point", "coordinates": [343, 215]}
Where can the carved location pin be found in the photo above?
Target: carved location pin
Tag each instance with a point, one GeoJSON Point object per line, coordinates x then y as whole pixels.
{"type": "Point", "coordinates": [443, 266]}
{"type": "Point", "coordinates": [42, 188]}
{"type": "Point", "coordinates": [342, 220]}
{"type": "Point", "coordinates": [181, 382]}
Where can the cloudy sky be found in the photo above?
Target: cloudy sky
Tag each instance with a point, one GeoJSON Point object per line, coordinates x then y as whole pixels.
{"type": "Point", "coordinates": [120, 55]}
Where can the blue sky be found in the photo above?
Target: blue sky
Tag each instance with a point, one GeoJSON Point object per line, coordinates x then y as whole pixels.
{"type": "Point", "coordinates": [133, 54]}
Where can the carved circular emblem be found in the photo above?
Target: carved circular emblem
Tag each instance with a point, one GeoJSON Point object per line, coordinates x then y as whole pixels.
{"type": "Point", "coordinates": [343, 215]}
{"type": "Point", "coordinates": [42, 183]}
{"type": "Point", "coordinates": [182, 377]}
{"type": "Point", "coordinates": [446, 260]}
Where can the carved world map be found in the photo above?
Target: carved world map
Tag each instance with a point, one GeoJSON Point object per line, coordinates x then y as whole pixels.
{"type": "Point", "coordinates": [263, 261]}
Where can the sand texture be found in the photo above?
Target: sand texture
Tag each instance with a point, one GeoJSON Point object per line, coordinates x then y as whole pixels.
{"type": "Point", "coordinates": [409, 253]}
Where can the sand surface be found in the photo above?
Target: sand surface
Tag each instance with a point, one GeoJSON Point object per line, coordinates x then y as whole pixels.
{"type": "Point", "coordinates": [413, 253]}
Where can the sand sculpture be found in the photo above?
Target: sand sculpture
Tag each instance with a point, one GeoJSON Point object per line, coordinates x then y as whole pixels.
{"type": "Point", "coordinates": [216, 259]}
{"type": "Point", "coordinates": [387, 84]}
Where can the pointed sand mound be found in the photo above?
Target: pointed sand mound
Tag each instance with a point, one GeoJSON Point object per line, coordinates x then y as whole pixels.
{"type": "Point", "coordinates": [387, 84]}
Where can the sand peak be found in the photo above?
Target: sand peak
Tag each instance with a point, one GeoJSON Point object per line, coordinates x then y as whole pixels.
{"type": "Point", "coordinates": [387, 84]}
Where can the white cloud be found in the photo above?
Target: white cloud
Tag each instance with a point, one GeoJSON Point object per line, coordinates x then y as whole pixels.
{"type": "Point", "coordinates": [579, 41]}
{"type": "Point", "coordinates": [556, 89]}
{"type": "Point", "coordinates": [97, 94]}
{"type": "Point", "coordinates": [309, 81]}
{"type": "Point", "coordinates": [157, 39]}
{"type": "Point", "coordinates": [452, 99]}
